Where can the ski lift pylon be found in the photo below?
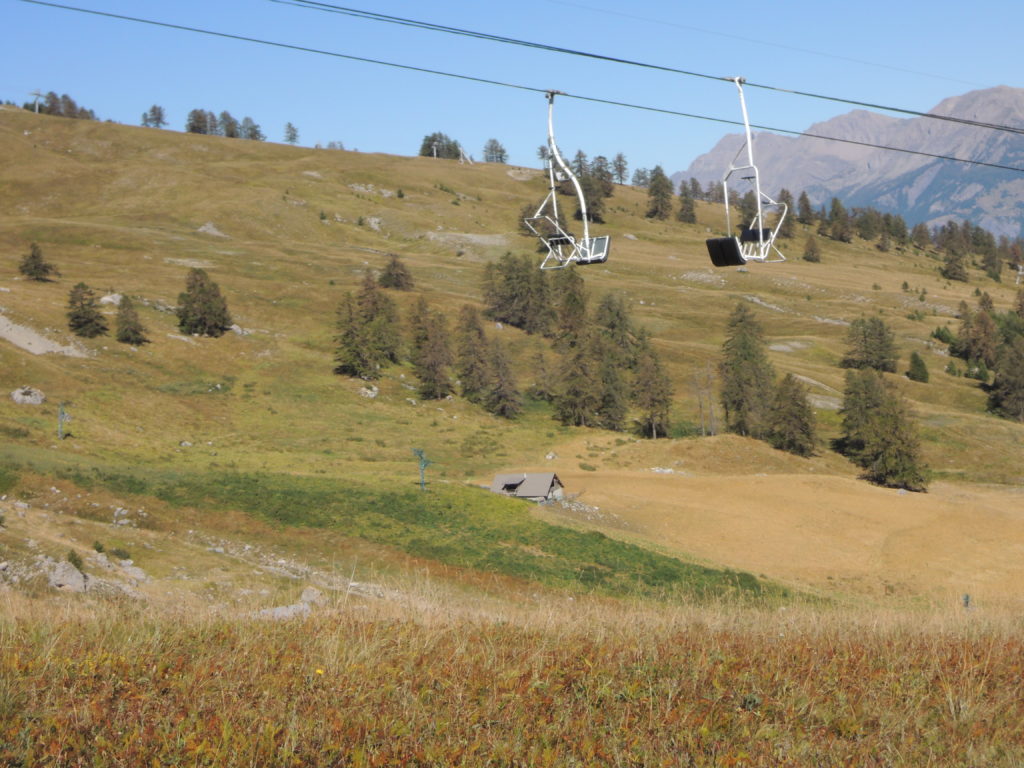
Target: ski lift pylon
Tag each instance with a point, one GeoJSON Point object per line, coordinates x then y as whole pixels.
{"type": "Point", "coordinates": [756, 241]}
{"type": "Point", "coordinates": [563, 248]}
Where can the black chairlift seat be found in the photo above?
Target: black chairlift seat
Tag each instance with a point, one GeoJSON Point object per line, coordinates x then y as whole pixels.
{"type": "Point", "coordinates": [725, 252]}
{"type": "Point", "coordinates": [561, 240]}
{"type": "Point", "coordinates": [751, 235]}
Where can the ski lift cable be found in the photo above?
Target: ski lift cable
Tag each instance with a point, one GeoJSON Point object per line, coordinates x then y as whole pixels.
{"type": "Point", "coordinates": [516, 86]}
{"type": "Point", "coordinates": [374, 16]}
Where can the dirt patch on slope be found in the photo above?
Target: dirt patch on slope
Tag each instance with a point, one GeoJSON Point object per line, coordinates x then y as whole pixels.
{"type": "Point", "coordinates": [828, 532]}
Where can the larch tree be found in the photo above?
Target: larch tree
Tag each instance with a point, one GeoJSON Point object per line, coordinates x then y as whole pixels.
{"type": "Point", "coordinates": [129, 327]}
{"type": "Point", "coordinates": [502, 396]}
{"type": "Point", "coordinates": [871, 344]}
{"type": "Point", "coordinates": [472, 358]}
{"type": "Point", "coordinates": [747, 376]}
{"type": "Point", "coordinates": [687, 213]}
{"type": "Point", "coordinates": [918, 371]}
{"type": "Point", "coordinates": [433, 360]}
{"type": "Point", "coordinates": [791, 425]}
{"type": "Point", "coordinates": [35, 267]}
{"type": "Point", "coordinates": [812, 252]}
{"type": "Point", "coordinates": [291, 134]}
{"type": "Point", "coordinates": [652, 394]}
{"type": "Point", "coordinates": [494, 152]}
{"type": "Point", "coordinates": [84, 317]}
{"type": "Point", "coordinates": [367, 332]}
{"type": "Point", "coordinates": [396, 275]}
{"type": "Point", "coordinates": [201, 308]}
{"type": "Point", "coordinates": [578, 397]}
{"type": "Point", "coordinates": [1007, 395]}
{"type": "Point", "coordinates": [659, 195]}
{"type": "Point", "coordinates": [620, 168]}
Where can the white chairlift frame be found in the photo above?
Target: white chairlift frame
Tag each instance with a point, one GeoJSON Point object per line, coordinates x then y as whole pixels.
{"type": "Point", "coordinates": [756, 241]}
{"type": "Point", "coordinates": [563, 247]}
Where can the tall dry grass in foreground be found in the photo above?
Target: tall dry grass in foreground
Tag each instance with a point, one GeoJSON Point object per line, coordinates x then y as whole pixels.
{"type": "Point", "coordinates": [558, 683]}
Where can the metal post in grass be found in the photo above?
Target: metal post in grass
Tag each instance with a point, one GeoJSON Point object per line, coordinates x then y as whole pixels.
{"type": "Point", "coordinates": [424, 463]}
{"type": "Point", "coordinates": [63, 417]}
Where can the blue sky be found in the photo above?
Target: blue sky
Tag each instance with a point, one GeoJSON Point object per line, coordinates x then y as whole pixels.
{"type": "Point", "coordinates": [906, 54]}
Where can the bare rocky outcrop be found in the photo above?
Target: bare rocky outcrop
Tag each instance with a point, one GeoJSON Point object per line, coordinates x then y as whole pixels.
{"type": "Point", "coordinates": [64, 576]}
{"type": "Point", "coordinates": [28, 396]}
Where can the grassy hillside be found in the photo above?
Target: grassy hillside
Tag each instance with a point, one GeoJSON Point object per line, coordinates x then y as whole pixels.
{"type": "Point", "coordinates": [268, 585]}
{"type": "Point", "coordinates": [291, 229]}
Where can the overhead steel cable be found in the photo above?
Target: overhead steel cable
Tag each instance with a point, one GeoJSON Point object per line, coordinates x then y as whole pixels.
{"type": "Point", "coordinates": [485, 81]}
{"type": "Point", "coordinates": [374, 16]}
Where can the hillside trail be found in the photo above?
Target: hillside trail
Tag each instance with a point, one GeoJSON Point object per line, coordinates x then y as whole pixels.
{"type": "Point", "coordinates": [827, 533]}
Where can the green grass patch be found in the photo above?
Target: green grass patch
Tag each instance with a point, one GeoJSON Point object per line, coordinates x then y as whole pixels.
{"type": "Point", "coordinates": [458, 526]}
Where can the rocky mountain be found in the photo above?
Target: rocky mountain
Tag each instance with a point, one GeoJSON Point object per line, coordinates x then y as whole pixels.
{"type": "Point", "coordinates": [918, 188]}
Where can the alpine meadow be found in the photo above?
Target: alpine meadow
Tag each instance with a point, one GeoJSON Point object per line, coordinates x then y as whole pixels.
{"type": "Point", "coordinates": [256, 396]}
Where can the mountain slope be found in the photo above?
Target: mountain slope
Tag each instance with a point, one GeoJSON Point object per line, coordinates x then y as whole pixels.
{"type": "Point", "coordinates": [286, 231]}
{"type": "Point", "coordinates": [919, 188]}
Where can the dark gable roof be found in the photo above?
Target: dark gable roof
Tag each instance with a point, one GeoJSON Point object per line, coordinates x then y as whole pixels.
{"type": "Point", "coordinates": [529, 485]}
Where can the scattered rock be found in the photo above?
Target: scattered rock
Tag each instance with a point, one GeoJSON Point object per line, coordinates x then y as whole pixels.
{"type": "Point", "coordinates": [209, 228]}
{"type": "Point", "coordinates": [66, 577]}
{"type": "Point", "coordinates": [285, 611]}
{"type": "Point", "coordinates": [370, 391]}
{"type": "Point", "coordinates": [113, 299]}
{"type": "Point", "coordinates": [239, 330]}
{"type": "Point", "coordinates": [312, 596]}
{"type": "Point", "coordinates": [28, 396]}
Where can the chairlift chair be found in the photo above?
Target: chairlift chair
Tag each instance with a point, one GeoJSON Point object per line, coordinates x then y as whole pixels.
{"type": "Point", "coordinates": [563, 248]}
{"type": "Point", "coordinates": [756, 241]}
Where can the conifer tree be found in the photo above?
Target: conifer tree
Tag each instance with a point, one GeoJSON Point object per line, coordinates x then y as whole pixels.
{"type": "Point", "coordinates": [791, 425]}
{"type": "Point", "coordinates": [577, 398]}
{"type": "Point", "coordinates": [367, 337]}
{"type": "Point", "coordinates": [432, 362]}
{"type": "Point", "coordinates": [572, 309]}
{"type": "Point", "coordinates": [35, 267]}
{"type": "Point", "coordinates": [201, 308]}
{"type": "Point", "coordinates": [129, 327]}
{"type": "Point", "coordinates": [687, 208]}
{"type": "Point", "coordinates": [1007, 395]}
{"type": "Point", "coordinates": [871, 345]}
{"type": "Point", "coordinates": [918, 370]}
{"type": "Point", "coordinates": [804, 210]}
{"type": "Point", "coordinates": [954, 267]}
{"type": "Point", "coordinates": [396, 275]}
{"type": "Point", "coordinates": [472, 356]}
{"type": "Point", "coordinates": [652, 394]}
{"type": "Point", "coordinates": [615, 329]}
{"type": "Point", "coordinates": [878, 433]}
{"type": "Point", "coordinates": [748, 379]}
{"type": "Point", "coordinates": [659, 194]}
{"type": "Point", "coordinates": [811, 251]}
{"type": "Point", "coordinates": [612, 393]}
{"type": "Point", "coordinates": [620, 168]}
{"type": "Point", "coordinates": [84, 318]}
{"type": "Point", "coordinates": [502, 396]}
{"type": "Point", "coordinates": [788, 224]}
{"type": "Point", "coordinates": [892, 447]}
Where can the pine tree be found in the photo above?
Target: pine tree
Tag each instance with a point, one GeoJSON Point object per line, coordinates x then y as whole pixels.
{"type": "Point", "coordinates": [652, 394]}
{"type": "Point", "coordinates": [918, 370]}
{"type": "Point", "coordinates": [871, 345]}
{"type": "Point", "coordinates": [472, 359]}
{"type": "Point", "coordinates": [577, 398]}
{"type": "Point", "coordinates": [892, 447]}
{"type": "Point", "coordinates": [620, 168]}
{"type": "Point", "coordinates": [748, 379]}
{"type": "Point", "coordinates": [228, 126]}
{"type": "Point", "coordinates": [791, 425]}
{"type": "Point", "coordinates": [396, 275]}
{"type": "Point", "coordinates": [196, 122]}
{"type": "Point", "coordinates": [804, 210]}
{"type": "Point", "coordinates": [659, 195]}
{"type": "Point", "coordinates": [84, 318]}
{"type": "Point", "coordinates": [249, 129]}
{"type": "Point", "coordinates": [368, 337]}
{"type": "Point", "coordinates": [35, 267]}
{"type": "Point", "coordinates": [615, 329]}
{"type": "Point", "coordinates": [920, 236]}
{"type": "Point", "coordinates": [502, 396]}
{"type": "Point", "coordinates": [788, 227]}
{"type": "Point", "coordinates": [129, 327]}
{"type": "Point", "coordinates": [154, 117]}
{"type": "Point", "coordinates": [1007, 396]}
{"type": "Point", "coordinates": [440, 145]}
{"type": "Point", "coordinates": [687, 208]}
{"type": "Point", "coordinates": [840, 226]}
{"type": "Point", "coordinates": [954, 267]}
{"type": "Point", "coordinates": [494, 152]}
{"type": "Point", "coordinates": [433, 360]}
{"type": "Point", "coordinates": [862, 397]}
{"type": "Point", "coordinates": [201, 308]}
{"type": "Point", "coordinates": [612, 393]}
{"type": "Point", "coordinates": [811, 251]}
{"type": "Point", "coordinates": [572, 309]}
{"type": "Point", "coordinates": [291, 134]}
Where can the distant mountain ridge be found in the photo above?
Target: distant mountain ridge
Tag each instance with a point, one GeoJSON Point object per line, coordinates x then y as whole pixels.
{"type": "Point", "coordinates": [921, 189]}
